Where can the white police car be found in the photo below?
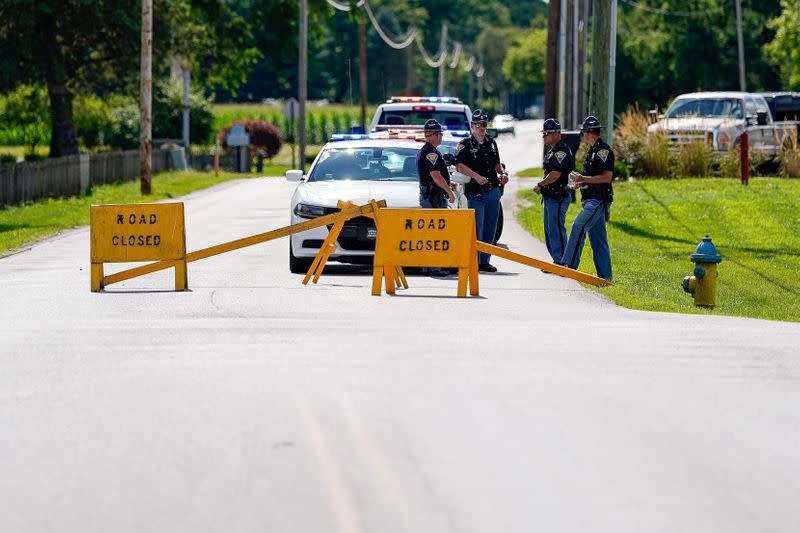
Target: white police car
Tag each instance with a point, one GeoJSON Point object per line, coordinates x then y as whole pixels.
{"type": "Point", "coordinates": [358, 168]}
{"type": "Point", "coordinates": [404, 111]}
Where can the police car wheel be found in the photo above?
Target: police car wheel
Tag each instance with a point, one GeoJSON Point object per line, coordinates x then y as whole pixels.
{"type": "Point", "coordinates": [499, 230]}
{"type": "Point", "coordinates": [298, 265]}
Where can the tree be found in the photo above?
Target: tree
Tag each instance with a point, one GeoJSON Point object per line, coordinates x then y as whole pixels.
{"type": "Point", "coordinates": [524, 63]}
{"type": "Point", "coordinates": [74, 46]}
{"type": "Point", "coordinates": [785, 47]}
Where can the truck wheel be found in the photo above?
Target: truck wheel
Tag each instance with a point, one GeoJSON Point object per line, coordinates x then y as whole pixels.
{"type": "Point", "coordinates": [499, 230]}
{"type": "Point", "coordinates": [298, 265]}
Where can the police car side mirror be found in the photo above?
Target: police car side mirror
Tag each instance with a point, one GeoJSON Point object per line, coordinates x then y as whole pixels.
{"type": "Point", "coordinates": [294, 175]}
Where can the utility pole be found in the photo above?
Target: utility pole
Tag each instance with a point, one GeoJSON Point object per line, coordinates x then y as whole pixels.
{"type": "Point", "coordinates": [740, 39]}
{"type": "Point", "coordinates": [410, 58]}
{"type": "Point", "coordinates": [187, 76]}
{"type": "Point", "coordinates": [574, 113]}
{"type": "Point", "coordinates": [612, 74]}
{"type": "Point", "coordinates": [601, 48]}
{"type": "Point", "coordinates": [551, 60]}
{"type": "Point", "coordinates": [362, 70]}
{"type": "Point", "coordinates": [442, 50]}
{"type": "Point", "coordinates": [562, 59]}
{"type": "Point", "coordinates": [146, 100]}
{"type": "Point", "coordinates": [302, 76]}
{"type": "Point", "coordinates": [584, 25]}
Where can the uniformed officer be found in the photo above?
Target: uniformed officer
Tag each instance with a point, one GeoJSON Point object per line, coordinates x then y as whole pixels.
{"type": "Point", "coordinates": [478, 158]}
{"type": "Point", "coordinates": [434, 178]}
{"type": "Point", "coordinates": [558, 163]}
{"type": "Point", "coordinates": [596, 198]}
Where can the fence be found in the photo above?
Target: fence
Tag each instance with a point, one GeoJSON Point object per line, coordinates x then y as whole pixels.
{"type": "Point", "coordinates": [71, 175]}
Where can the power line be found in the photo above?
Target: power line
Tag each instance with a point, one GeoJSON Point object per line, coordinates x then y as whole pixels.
{"type": "Point", "coordinates": [411, 36]}
{"type": "Point", "coordinates": [668, 13]}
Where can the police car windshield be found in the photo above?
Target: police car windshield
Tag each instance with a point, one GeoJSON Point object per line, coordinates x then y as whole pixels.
{"type": "Point", "coordinates": [706, 107]}
{"type": "Point", "coordinates": [452, 120]}
{"type": "Point", "coordinates": [366, 164]}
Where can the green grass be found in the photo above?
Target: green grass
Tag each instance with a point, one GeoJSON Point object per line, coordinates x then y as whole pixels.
{"type": "Point", "coordinates": [533, 172]}
{"type": "Point", "coordinates": [656, 224]}
{"type": "Point", "coordinates": [22, 224]}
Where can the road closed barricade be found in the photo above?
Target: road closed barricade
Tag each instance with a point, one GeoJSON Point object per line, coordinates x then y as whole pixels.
{"type": "Point", "coordinates": [437, 238]}
{"type": "Point", "coordinates": [128, 233]}
{"type": "Point", "coordinates": [144, 232]}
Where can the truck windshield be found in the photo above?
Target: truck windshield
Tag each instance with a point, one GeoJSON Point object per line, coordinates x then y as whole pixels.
{"type": "Point", "coordinates": [367, 164]}
{"type": "Point", "coordinates": [706, 107]}
{"type": "Point", "coordinates": [452, 120]}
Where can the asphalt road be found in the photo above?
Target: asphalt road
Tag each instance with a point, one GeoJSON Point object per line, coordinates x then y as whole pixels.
{"type": "Point", "coordinates": [253, 403]}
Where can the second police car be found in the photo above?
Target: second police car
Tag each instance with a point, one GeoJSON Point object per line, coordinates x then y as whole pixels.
{"type": "Point", "coordinates": [359, 168]}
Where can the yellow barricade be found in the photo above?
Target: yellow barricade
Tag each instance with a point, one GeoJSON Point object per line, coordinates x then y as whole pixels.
{"type": "Point", "coordinates": [129, 233]}
{"type": "Point", "coordinates": [443, 238]}
{"type": "Point", "coordinates": [106, 220]}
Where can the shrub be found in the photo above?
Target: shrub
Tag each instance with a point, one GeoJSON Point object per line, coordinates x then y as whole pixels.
{"type": "Point", "coordinates": [168, 113]}
{"type": "Point", "coordinates": [730, 165]}
{"type": "Point", "coordinates": [621, 170]}
{"type": "Point", "coordinates": [790, 157]}
{"type": "Point", "coordinates": [125, 120]}
{"type": "Point", "coordinates": [33, 156]}
{"type": "Point", "coordinates": [8, 158]}
{"type": "Point", "coordinates": [93, 119]}
{"type": "Point", "coordinates": [265, 138]}
{"type": "Point", "coordinates": [694, 159]}
{"type": "Point", "coordinates": [631, 143]}
{"type": "Point", "coordinates": [26, 116]}
{"type": "Point", "coordinates": [654, 157]}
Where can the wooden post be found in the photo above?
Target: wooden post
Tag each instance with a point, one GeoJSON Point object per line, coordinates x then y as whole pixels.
{"type": "Point", "coordinates": [551, 67]}
{"type": "Point", "coordinates": [601, 44]}
{"type": "Point", "coordinates": [146, 100]}
{"type": "Point", "coordinates": [362, 71]}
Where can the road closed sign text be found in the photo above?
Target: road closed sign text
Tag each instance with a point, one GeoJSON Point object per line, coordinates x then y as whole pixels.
{"type": "Point", "coordinates": [137, 232]}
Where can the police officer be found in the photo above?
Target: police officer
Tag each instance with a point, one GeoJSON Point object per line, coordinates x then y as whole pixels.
{"type": "Point", "coordinates": [596, 198]}
{"type": "Point", "coordinates": [434, 178]}
{"type": "Point", "coordinates": [558, 163]}
{"type": "Point", "coordinates": [478, 158]}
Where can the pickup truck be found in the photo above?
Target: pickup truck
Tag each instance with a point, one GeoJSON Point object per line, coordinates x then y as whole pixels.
{"type": "Point", "coordinates": [719, 118]}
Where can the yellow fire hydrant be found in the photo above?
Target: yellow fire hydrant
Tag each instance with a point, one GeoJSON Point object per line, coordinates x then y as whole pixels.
{"type": "Point", "coordinates": [702, 284]}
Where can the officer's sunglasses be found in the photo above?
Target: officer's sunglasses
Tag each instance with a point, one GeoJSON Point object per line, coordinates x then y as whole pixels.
{"type": "Point", "coordinates": [433, 134]}
{"type": "Point", "coordinates": [480, 124]}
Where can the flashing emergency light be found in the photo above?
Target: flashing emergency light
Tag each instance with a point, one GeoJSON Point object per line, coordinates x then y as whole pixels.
{"type": "Point", "coordinates": [423, 99]}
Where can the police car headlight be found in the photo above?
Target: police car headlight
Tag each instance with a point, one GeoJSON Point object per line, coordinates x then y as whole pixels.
{"type": "Point", "coordinates": [310, 211]}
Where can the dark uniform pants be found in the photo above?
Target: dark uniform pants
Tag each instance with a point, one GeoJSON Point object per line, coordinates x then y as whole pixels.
{"type": "Point", "coordinates": [590, 221]}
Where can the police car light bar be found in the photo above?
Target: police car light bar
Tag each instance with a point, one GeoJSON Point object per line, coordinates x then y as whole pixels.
{"type": "Point", "coordinates": [347, 137]}
{"type": "Point", "coordinates": [423, 99]}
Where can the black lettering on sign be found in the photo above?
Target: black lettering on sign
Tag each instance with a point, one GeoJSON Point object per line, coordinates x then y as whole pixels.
{"type": "Point", "coordinates": [156, 240]}
{"type": "Point", "coordinates": [441, 223]}
{"type": "Point", "coordinates": [153, 218]}
{"type": "Point", "coordinates": [120, 218]}
{"type": "Point", "coordinates": [445, 245]}
{"type": "Point", "coordinates": [115, 240]}
{"type": "Point", "coordinates": [431, 225]}
{"type": "Point", "coordinates": [403, 243]}
{"type": "Point", "coordinates": [421, 224]}
{"type": "Point", "coordinates": [436, 245]}
{"type": "Point", "coordinates": [409, 223]}
{"type": "Point", "coordinates": [428, 245]}
{"type": "Point", "coordinates": [132, 219]}
{"type": "Point", "coordinates": [419, 245]}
